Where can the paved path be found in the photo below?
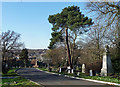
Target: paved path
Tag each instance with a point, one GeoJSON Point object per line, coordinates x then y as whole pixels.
{"type": "Point", "coordinates": [50, 79]}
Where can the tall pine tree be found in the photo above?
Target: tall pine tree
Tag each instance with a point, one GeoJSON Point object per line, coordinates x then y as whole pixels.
{"type": "Point", "coordinates": [69, 19]}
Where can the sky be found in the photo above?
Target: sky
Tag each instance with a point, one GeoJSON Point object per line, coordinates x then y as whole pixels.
{"type": "Point", "coordinates": [30, 19]}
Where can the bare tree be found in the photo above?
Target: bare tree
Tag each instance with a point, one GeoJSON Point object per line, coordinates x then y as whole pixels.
{"type": "Point", "coordinates": [57, 56]}
{"type": "Point", "coordinates": [108, 13]}
{"type": "Point", "coordinates": [10, 44]}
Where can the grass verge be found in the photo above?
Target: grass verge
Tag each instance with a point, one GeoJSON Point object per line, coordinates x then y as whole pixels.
{"type": "Point", "coordinates": [16, 80]}
{"type": "Point", "coordinates": [104, 78]}
{"type": "Point", "coordinates": [44, 69]}
{"type": "Point", "coordinates": [81, 75]}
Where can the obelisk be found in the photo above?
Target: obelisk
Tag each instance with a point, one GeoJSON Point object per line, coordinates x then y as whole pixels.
{"type": "Point", "coordinates": [106, 64]}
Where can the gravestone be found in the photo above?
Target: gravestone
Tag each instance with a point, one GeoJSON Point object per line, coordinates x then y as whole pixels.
{"type": "Point", "coordinates": [68, 68]}
{"type": "Point", "coordinates": [106, 64]}
{"type": "Point", "coordinates": [60, 70]}
{"type": "Point", "coordinates": [83, 68]}
{"type": "Point", "coordinates": [91, 73]}
{"type": "Point", "coordinates": [72, 71]}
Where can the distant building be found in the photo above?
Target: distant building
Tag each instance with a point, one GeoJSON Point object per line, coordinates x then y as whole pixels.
{"type": "Point", "coordinates": [36, 53]}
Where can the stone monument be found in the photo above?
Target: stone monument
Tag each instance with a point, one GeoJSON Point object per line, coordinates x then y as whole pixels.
{"type": "Point", "coordinates": [70, 70]}
{"type": "Point", "coordinates": [60, 70]}
{"type": "Point", "coordinates": [36, 66]}
{"type": "Point", "coordinates": [91, 73]}
{"type": "Point", "coordinates": [106, 64]}
{"type": "Point", "coordinates": [83, 68]}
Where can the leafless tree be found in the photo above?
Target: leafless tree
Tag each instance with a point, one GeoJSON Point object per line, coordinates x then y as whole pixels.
{"type": "Point", "coordinates": [107, 13]}
{"type": "Point", "coordinates": [57, 56]}
{"type": "Point", "coordinates": [10, 44]}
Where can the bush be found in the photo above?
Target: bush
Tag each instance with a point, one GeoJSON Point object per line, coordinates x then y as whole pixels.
{"type": "Point", "coordinates": [5, 70]}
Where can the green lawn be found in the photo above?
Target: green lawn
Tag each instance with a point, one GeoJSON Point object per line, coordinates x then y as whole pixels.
{"type": "Point", "coordinates": [44, 69]}
{"type": "Point", "coordinates": [106, 78]}
{"type": "Point", "coordinates": [17, 81]}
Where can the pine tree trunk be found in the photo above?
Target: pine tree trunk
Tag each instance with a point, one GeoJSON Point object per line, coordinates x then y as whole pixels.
{"type": "Point", "coordinates": [68, 48]}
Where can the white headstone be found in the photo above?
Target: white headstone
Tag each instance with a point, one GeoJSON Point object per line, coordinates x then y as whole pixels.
{"type": "Point", "coordinates": [91, 73]}
{"type": "Point", "coordinates": [60, 70]}
{"type": "Point", "coordinates": [106, 64]}
{"type": "Point", "coordinates": [72, 71]}
{"type": "Point", "coordinates": [68, 68]}
{"type": "Point", "coordinates": [83, 68]}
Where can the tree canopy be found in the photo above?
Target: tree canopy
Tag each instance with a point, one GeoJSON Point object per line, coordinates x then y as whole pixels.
{"type": "Point", "coordinates": [10, 44]}
{"type": "Point", "coordinates": [70, 19]}
{"type": "Point", "coordinates": [24, 56]}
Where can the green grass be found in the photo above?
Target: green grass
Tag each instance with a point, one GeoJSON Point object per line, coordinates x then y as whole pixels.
{"type": "Point", "coordinates": [17, 81]}
{"type": "Point", "coordinates": [106, 78]}
{"type": "Point", "coordinates": [82, 75]}
{"type": "Point", "coordinates": [11, 72]}
{"type": "Point", "coordinates": [44, 69]}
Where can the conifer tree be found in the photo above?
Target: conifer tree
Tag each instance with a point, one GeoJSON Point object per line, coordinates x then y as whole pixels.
{"type": "Point", "coordinates": [70, 19]}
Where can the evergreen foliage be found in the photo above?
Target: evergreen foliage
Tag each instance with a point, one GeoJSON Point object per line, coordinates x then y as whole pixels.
{"type": "Point", "coordinates": [24, 55]}
{"type": "Point", "coordinates": [69, 19]}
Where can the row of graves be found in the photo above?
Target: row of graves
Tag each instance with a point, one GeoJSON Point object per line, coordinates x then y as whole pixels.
{"type": "Point", "coordinates": [105, 69]}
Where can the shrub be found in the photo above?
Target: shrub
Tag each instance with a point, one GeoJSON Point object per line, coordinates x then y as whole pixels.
{"type": "Point", "coordinates": [5, 70]}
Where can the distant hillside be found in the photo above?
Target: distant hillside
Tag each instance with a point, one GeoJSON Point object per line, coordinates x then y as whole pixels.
{"type": "Point", "coordinates": [35, 52]}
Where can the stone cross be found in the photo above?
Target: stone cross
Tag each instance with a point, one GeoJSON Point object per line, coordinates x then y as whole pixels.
{"type": "Point", "coordinates": [106, 64]}
{"type": "Point", "coordinates": [83, 68]}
